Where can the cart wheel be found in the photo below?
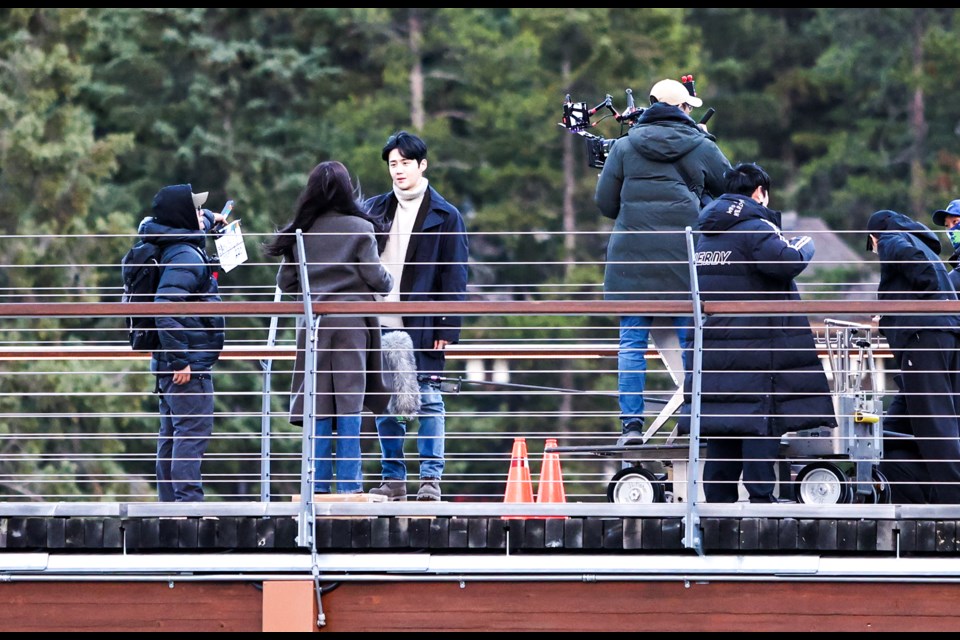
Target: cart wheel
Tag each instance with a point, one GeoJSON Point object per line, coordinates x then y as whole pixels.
{"type": "Point", "coordinates": [881, 487]}
{"type": "Point", "coordinates": [879, 490]}
{"type": "Point", "coordinates": [635, 484]}
{"type": "Point", "coordinates": [822, 483]}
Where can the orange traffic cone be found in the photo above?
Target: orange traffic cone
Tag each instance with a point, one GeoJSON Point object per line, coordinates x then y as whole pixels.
{"type": "Point", "coordinates": [519, 483]}
{"type": "Point", "coordinates": [551, 478]}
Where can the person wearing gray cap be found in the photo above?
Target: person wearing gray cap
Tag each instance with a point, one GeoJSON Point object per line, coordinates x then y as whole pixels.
{"type": "Point", "coordinates": [949, 219]}
{"type": "Point", "coordinates": [189, 345]}
{"type": "Point", "coordinates": [926, 351]}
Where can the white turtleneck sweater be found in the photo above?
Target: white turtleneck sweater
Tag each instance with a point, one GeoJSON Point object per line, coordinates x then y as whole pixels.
{"type": "Point", "coordinates": [395, 251]}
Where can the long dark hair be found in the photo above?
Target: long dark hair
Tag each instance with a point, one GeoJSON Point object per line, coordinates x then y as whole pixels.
{"type": "Point", "coordinates": [329, 188]}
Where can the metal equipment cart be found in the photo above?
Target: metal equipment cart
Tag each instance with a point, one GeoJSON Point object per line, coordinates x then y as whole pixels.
{"type": "Point", "coordinates": [818, 466]}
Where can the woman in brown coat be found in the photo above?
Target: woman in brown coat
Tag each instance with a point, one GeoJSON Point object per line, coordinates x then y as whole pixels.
{"type": "Point", "coordinates": [342, 265]}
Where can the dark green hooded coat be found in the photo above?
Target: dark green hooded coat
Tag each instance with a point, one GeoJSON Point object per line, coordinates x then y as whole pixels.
{"type": "Point", "coordinates": [642, 188]}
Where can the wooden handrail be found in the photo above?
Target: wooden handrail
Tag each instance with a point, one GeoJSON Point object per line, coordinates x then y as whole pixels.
{"type": "Point", "coordinates": [864, 308]}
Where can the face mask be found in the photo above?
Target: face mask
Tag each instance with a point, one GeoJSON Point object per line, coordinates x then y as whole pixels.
{"type": "Point", "coordinates": [954, 235]}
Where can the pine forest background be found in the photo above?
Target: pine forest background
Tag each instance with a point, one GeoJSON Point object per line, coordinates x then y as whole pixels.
{"type": "Point", "coordinates": [849, 110]}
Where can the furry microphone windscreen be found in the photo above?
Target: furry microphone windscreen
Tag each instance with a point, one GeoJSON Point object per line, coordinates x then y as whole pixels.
{"type": "Point", "coordinates": [400, 366]}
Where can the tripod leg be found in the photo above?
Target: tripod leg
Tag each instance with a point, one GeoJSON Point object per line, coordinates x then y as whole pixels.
{"type": "Point", "coordinates": [668, 344]}
{"type": "Point", "coordinates": [664, 336]}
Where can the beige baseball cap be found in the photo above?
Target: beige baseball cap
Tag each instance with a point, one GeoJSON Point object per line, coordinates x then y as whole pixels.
{"type": "Point", "coordinates": [199, 198]}
{"type": "Point", "coordinates": [673, 92]}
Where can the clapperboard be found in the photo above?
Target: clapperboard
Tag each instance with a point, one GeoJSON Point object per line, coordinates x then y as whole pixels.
{"type": "Point", "coordinates": [230, 247]}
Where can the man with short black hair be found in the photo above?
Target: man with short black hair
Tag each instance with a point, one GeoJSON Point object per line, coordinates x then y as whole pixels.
{"type": "Point", "coordinates": [761, 375]}
{"type": "Point", "coordinates": [423, 243]}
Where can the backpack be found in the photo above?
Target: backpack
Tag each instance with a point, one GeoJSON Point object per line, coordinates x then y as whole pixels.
{"type": "Point", "coordinates": [141, 275]}
{"type": "Point", "coordinates": [141, 269]}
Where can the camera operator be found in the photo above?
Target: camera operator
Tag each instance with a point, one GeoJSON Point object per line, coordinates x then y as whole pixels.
{"type": "Point", "coordinates": [652, 185]}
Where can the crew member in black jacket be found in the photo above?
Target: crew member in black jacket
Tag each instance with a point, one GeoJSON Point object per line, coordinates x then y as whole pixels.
{"type": "Point", "coordinates": [926, 351]}
{"type": "Point", "coordinates": [189, 345]}
{"type": "Point", "coordinates": [761, 376]}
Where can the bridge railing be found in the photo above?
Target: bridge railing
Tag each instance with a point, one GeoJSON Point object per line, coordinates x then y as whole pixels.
{"type": "Point", "coordinates": [78, 409]}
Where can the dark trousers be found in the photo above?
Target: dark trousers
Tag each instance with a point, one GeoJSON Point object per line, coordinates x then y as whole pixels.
{"type": "Point", "coordinates": [186, 422]}
{"type": "Point", "coordinates": [928, 407]}
{"type": "Point", "coordinates": [906, 475]}
{"type": "Point", "coordinates": [727, 458]}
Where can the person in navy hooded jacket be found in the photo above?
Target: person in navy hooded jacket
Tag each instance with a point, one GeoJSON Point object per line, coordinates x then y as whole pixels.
{"type": "Point", "coordinates": [762, 375]}
{"type": "Point", "coordinates": [926, 351]}
{"type": "Point", "coordinates": [189, 345]}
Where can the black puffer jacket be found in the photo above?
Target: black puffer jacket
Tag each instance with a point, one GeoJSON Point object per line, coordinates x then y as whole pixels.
{"type": "Point", "coordinates": [761, 374]}
{"type": "Point", "coordinates": [910, 269]}
{"type": "Point", "coordinates": [187, 276]}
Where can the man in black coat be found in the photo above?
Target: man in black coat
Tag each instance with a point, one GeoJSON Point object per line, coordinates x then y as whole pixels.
{"type": "Point", "coordinates": [189, 345]}
{"type": "Point", "coordinates": [926, 350]}
{"type": "Point", "coordinates": [761, 375]}
{"type": "Point", "coordinates": [423, 243]}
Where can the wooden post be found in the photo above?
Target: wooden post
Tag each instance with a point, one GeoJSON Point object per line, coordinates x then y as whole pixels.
{"type": "Point", "coordinates": [289, 605]}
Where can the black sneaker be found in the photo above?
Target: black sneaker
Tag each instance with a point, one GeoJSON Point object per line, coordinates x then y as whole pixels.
{"type": "Point", "coordinates": [632, 433]}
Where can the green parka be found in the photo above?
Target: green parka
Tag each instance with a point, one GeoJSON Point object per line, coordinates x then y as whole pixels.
{"type": "Point", "coordinates": [643, 189]}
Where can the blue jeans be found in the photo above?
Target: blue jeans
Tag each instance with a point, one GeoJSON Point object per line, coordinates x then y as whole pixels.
{"type": "Point", "coordinates": [429, 438]}
{"type": "Point", "coordinates": [186, 422]}
{"type": "Point", "coordinates": [632, 362]}
{"type": "Point", "coordinates": [348, 475]}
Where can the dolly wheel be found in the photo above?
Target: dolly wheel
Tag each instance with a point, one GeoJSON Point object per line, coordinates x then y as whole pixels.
{"type": "Point", "coordinates": [823, 483]}
{"type": "Point", "coordinates": [881, 487]}
{"type": "Point", "coordinates": [635, 485]}
{"type": "Point", "coordinates": [879, 490]}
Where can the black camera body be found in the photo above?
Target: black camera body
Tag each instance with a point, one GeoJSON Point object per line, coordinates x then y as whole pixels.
{"type": "Point", "coordinates": [597, 151]}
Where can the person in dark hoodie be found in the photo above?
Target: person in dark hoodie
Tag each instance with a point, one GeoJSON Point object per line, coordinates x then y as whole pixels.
{"type": "Point", "coordinates": [925, 468]}
{"type": "Point", "coordinates": [189, 345]}
{"type": "Point", "coordinates": [652, 185]}
{"type": "Point", "coordinates": [761, 375]}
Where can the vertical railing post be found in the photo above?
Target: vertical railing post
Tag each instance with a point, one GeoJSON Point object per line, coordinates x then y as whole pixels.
{"type": "Point", "coordinates": [267, 366]}
{"type": "Point", "coordinates": [692, 538]}
{"type": "Point", "coordinates": [308, 518]}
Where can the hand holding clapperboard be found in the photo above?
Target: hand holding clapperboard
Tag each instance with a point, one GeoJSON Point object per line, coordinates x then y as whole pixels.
{"type": "Point", "coordinates": [230, 247]}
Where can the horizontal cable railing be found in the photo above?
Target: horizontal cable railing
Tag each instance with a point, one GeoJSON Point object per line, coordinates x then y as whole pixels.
{"type": "Point", "coordinates": [535, 361]}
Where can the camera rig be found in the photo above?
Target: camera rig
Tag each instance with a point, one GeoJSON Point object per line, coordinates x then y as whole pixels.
{"type": "Point", "coordinates": [576, 120]}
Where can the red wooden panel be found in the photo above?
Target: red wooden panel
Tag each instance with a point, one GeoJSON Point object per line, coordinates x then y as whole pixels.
{"type": "Point", "coordinates": [643, 606]}
{"type": "Point", "coordinates": [130, 606]}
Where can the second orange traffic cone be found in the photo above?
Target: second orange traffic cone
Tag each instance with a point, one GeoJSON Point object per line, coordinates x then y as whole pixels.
{"type": "Point", "coordinates": [519, 482]}
{"type": "Point", "coordinates": [551, 478]}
